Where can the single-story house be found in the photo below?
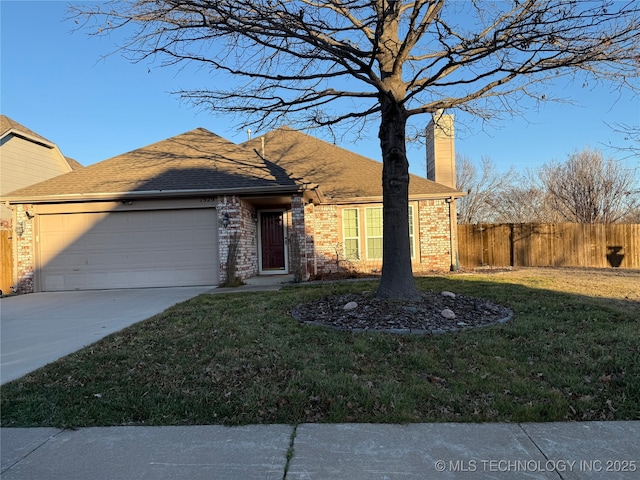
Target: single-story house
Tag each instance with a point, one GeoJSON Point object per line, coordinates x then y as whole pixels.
{"type": "Point", "coordinates": [168, 214]}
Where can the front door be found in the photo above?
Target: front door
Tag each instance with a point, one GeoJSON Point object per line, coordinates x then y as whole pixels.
{"type": "Point", "coordinates": [272, 244]}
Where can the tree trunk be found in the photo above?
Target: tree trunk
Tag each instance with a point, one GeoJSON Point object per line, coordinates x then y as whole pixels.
{"type": "Point", "coordinates": [397, 276]}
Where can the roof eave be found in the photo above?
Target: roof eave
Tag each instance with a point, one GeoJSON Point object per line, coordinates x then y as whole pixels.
{"type": "Point", "coordinates": [150, 194]}
{"type": "Point", "coordinates": [378, 199]}
{"type": "Point", "coordinates": [18, 133]}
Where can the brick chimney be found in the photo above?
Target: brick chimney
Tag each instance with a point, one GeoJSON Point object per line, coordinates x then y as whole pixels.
{"type": "Point", "coordinates": [441, 152]}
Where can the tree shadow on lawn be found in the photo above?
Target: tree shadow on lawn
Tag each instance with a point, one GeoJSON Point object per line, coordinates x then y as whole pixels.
{"type": "Point", "coordinates": [221, 359]}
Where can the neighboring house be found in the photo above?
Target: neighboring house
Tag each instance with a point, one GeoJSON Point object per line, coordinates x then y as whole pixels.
{"type": "Point", "coordinates": [166, 215]}
{"type": "Point", "coordinates": [27, 158]}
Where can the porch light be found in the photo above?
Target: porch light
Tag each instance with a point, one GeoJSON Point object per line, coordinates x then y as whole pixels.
{"type": "Point", "coordinates": [225, 220]}
{"type": "Point", "coordinates": [20, 229]}
{"type": "Point", "coordinates": [254, 217]}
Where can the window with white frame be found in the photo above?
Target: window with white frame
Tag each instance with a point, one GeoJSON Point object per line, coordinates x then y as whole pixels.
{"type": "Point", "coordinates": [372, 232]}
{"type": "Point", "coordinates": [373, 229]}
{"type": "Point", "coordinates": [351, 233]}
{"type": "Point", "coordinates": [411, 238]}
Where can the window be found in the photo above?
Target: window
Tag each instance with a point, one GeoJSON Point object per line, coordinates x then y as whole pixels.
{"type": "Point", "coordinates": [373, 233]}
{"type": "Point", "coordinates": [411, 239]}
{"type": "Point", "coordinates": [351, 233]}
{"type": "Point", "coordinates": [373, 229]}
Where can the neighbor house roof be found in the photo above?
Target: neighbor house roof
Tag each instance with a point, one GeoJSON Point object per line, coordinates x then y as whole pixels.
{"type": "Point", "coordinates": [341, 174]}
{"type": "Point", "coordinates": [9, 126]}
{"type": "Point", "coordinates": [199, 162]}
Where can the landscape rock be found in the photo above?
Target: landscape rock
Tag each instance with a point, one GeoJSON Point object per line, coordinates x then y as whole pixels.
{"type": "Point", "coordinates": [448, 294]}
{"type": "Point", "coordinates": [448, 314]}
{"type": "Point", "coordinates": [350, 306]}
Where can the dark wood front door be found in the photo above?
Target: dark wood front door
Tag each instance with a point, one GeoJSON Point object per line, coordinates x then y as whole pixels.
{"type": "Point", "coordinates": [272, 240]}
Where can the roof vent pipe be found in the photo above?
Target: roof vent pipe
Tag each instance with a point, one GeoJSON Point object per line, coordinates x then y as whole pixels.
{"type": "Point", "coordinates": [249, 133]}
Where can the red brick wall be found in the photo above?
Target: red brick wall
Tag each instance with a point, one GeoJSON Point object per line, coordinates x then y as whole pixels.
{"type": "Point", "coordinates": [435, 236]}
{"type": "Point", "coordinates": [298, 240]}
{"type": "Point", "coordinates": [324, 249]}
{"type": "Point", "coordinates": [241, 222]}
{"type": "Point", "coordinates": [25, 261]}
{"type": "Point", "coordinates": [322, 225]}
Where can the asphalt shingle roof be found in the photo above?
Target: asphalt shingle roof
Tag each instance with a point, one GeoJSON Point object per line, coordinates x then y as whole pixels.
{"type": "Point", "coordinates": [201, 160]}
{"type": "Point", "coordinates": [195, 160]}
{"type": "Point", "coordinates": [341, 174]}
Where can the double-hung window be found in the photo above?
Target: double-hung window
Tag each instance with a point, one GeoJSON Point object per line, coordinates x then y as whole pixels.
{"type": "Point", "coordinates": [351, 233]}
{"type": "Point", "coordinates": [372, 228]}
{"type": "Point", "coordinates": [411, 237]}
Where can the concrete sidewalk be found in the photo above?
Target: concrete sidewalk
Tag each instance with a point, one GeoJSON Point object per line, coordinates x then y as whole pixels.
{"type": "Point", "coordinates": [590, 450]}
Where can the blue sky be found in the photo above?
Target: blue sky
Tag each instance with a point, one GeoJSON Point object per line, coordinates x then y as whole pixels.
{"type": "Point", "coordinates": [55, 82]}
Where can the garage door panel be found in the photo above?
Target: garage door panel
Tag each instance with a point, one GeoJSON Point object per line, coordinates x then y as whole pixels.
{"type": "Point", "coordinates": [128, 249]}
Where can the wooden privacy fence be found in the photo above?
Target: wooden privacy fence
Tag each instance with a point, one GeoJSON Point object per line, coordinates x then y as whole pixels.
{"type": "Point", "coordinates": [549, 245]}
{"type": "Point", "coordinates": [6, 257]}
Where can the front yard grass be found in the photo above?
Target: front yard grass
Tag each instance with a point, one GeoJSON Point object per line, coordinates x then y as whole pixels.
{"type": "Point", "coordinates": [570, 353]}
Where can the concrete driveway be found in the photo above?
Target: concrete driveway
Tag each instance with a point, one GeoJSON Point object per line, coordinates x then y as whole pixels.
{"type": "Point", "coordinates": [39, 328]}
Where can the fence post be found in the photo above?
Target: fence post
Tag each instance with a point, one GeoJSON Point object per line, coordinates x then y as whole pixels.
{"type": "Point", "coordinates": [512, 262]}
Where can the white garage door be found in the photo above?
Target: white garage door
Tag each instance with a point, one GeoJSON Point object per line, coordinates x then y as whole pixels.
{"type": "Point", "coordinates": [161, 248]}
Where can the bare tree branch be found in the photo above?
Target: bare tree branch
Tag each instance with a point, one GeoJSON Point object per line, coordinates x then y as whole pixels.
{"type": "Point", "coordinates": [631, 135]}
{"type": "Point", "coordinates": [483, 188]}
{"type": "Point", "coordinates": [452, 54]}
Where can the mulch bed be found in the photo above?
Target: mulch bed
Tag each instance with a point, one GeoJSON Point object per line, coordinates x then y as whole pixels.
{"type": "Point", "coordinates": [424, 317]}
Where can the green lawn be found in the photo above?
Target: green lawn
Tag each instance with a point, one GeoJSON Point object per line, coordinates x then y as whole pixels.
{"type": "Point", "coordinates": [241, 359]}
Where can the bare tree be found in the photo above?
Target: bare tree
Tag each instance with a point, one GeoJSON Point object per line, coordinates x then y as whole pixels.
{"type": "Point", "coordinates": [525, 200]}
{"type": "Point", "coordinates": [589, 189]}
{"type": "Point", "coordinates": [391, 60]}
{"type": "Point", "coordinates": [484, 189]}
{"type": "Point", "coordinates": [520, 204]}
